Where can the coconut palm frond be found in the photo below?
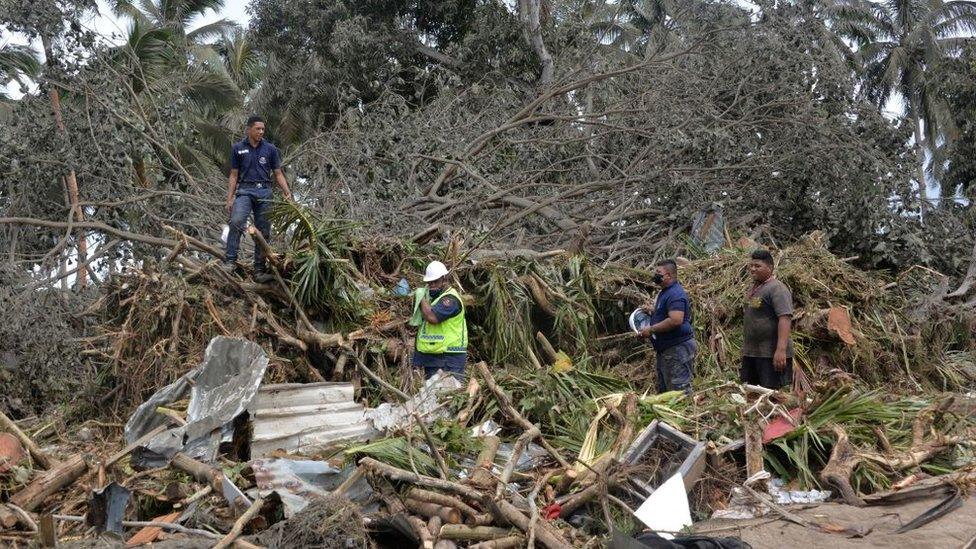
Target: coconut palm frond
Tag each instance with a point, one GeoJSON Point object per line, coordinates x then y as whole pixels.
{"type": "Point", "coordinates": [16, 62]}
{"type": "Point", "coordinates": [211, 30]}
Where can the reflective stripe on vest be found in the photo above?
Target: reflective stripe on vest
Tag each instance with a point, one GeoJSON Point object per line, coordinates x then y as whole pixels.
{"type": "Point", "coordinates": [450, 336]}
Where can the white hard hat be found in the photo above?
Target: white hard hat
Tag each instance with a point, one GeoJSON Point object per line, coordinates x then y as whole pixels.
{"type": "Point", "coordinates": [434, 271]}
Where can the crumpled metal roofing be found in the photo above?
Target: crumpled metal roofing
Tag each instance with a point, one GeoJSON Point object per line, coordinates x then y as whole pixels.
{"type": "Point", "coordinates": [307, 418]}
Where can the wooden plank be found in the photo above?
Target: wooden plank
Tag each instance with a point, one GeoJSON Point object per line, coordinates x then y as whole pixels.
{"type": "Point", "coordinates": [151, 533]}
{"type": "Point", "coordinates": [47, 535]}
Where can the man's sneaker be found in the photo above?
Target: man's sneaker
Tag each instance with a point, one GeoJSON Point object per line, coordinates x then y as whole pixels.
{"type": "Point", "coordinates": [229, 267]}
{"type": "Point", "coordinates": [263, 277]}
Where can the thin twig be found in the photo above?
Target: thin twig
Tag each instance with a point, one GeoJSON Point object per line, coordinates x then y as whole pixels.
{"type": "Point", "coordinates": [441, 466]}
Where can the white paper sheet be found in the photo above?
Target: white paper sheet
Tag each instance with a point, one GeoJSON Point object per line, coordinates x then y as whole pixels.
{"type": "Point", "coordinates": [667, 510]}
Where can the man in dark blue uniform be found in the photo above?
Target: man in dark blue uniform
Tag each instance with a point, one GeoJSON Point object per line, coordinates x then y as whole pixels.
{"type": "Point", "coordinates": [253, 161]}
{"type": "Point", "coordinates": [671, 332]}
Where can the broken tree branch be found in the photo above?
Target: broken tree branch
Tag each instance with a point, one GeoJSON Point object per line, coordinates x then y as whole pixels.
{"type": "Point", "coordinates": [441, 466]}
{"type": "Point", "coordinates": [108, 229]}
{"type": "Point", "coordinates": [426, 540]}
{"type": "Point", "coordinates": [362, 366]}
{"type": "Point", "coordinates": [64, 475]}
{"type": "Point", "coordinates": [457, 532]}
{"type": "Point", "coordinates": [517, 450]}
{"type": "Point", "coordinates": [395, 473]}
{"type": "Point", "coordinates": [505, 402]}
{"type": "Point", "coordinates": [507, 542]}
{"type": "Point", "coordinates": [251, 512]}
{"type": "Point", "coordinates": [481, 475]}
{"type": "Point", "coordinates": [420, 494]}
{"type": "Point", "coordinates": [544, 531]}
{"type": "Point", "coordinates": [173, 527]}
{"type": "Point", "coordinates": [448, 515]}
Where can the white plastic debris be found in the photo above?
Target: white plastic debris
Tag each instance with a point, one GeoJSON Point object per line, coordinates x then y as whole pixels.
{"type": "Point", "coordinates": [743, 506]}
{"type": "Point", "coordinates": [426, 403]}
{"type": "Point", "coordinates": [487, 429]}
{"type": "Point", "coordinates": [666, 511]}
{"type": "Point", "coordinates": [790, 497]}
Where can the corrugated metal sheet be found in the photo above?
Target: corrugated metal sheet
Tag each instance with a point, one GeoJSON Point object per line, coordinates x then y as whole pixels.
{"type": "Point", "coordinates": [307, 418]}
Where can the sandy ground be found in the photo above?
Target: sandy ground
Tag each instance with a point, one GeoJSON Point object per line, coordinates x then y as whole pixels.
{"type": "Point", "coordinates": [952, 531]}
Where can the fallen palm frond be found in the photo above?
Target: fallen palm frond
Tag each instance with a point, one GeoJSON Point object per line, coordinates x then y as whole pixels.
{"type": "Point", "coordinates": [322, 274]}
{"type": "Point", "coordinates": [805, 451]}
{"type": "Point", "coordinates": [397, 451]}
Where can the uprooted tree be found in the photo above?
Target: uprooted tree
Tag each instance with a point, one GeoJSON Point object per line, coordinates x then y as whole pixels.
{"type": "Point", "coordinates": [574, 125]}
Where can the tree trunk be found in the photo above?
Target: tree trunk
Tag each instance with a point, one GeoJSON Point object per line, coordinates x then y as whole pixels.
{"type": "Point", "coordinates": [456, 532]}
{"type": "Point", "coordinates": [72, 181]}
{"type": "Point", "coordinates": [50, 482]}
{"type": "Point", "coordinates": [968, 280]}
{"type": "Point", "coordinates": [532, 29]}
{"type": "Point", "coordinates": [923, 191]}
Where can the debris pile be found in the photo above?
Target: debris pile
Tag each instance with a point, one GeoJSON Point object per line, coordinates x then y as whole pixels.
{"type": "Point", "coordinates": [288, 415]}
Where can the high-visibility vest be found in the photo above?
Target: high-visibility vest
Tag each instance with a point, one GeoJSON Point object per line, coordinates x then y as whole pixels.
{"type": "Point", "coordinates": [450, 336]}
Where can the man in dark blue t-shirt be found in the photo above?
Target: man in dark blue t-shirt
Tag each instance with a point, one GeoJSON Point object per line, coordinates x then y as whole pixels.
{"type": "Point", "coordinates": [671, 332]}
{"type": "Point", "coordinates": [253, 161]}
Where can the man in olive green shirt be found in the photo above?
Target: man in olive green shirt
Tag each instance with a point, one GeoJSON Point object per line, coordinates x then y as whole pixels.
{"type": "Point", "coordinates": [767, 346]}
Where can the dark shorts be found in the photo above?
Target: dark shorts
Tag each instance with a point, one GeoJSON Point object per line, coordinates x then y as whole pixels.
{"type": "Point", "coordinates": [759, 371]}
{"type": "Point", "coordinates": [675, 366]}
{"type": "Point", "coordinates": [449, 362]}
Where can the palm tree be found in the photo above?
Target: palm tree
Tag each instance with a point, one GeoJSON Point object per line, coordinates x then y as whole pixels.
{"type": "Point", "coordinates": [167, 55]}
{"type": "Point", "coordinates": [905, 42]}
{"type": "Point", "coordinates": [236, 59]}
{"type": "Point", "coordinates": [17, 63]}
{"type": "Point", "coordinates": [628, 25]}
{"type": "Point", "coordinates": [176, 15]}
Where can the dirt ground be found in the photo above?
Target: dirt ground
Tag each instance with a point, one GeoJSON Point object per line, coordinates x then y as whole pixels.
{"type": "Point", "coordinates": [952, 531]}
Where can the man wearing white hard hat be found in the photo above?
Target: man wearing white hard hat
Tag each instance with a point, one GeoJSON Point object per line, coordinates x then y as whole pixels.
{"type": "Point", "coordinates": [442, 337]}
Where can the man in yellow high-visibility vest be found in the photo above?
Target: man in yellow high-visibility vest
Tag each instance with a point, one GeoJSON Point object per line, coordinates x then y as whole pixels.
{"type": "Point", "coordinates": [442, 338]}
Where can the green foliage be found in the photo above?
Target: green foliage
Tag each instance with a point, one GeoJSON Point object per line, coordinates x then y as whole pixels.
{"type": "Point", "coordinates": [398, 452]}
{"type": "Point", "coordinates": [804, 452]}
{"type": "Point", "coordinates": [338, 55]}
{"type": "Point", "coordinates": [454, 439]}
{"type": "Point", "coordinates": [323, 276]}
{"type": "Point", "coordinates": [562, 404]}
{"type": "Point", "coordinates": [901, 44]}
{"type": "Point", "coordinates": [958, 90]}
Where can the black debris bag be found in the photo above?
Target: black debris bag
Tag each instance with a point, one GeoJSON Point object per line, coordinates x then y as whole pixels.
{"type": "Point", "coordinates": [654, 541]}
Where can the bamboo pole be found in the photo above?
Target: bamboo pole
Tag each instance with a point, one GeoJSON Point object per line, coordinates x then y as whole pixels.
{"type": "Point", "coordinates": [420, 494]}
{"type": "Point", "coordinates": [458, 532]}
